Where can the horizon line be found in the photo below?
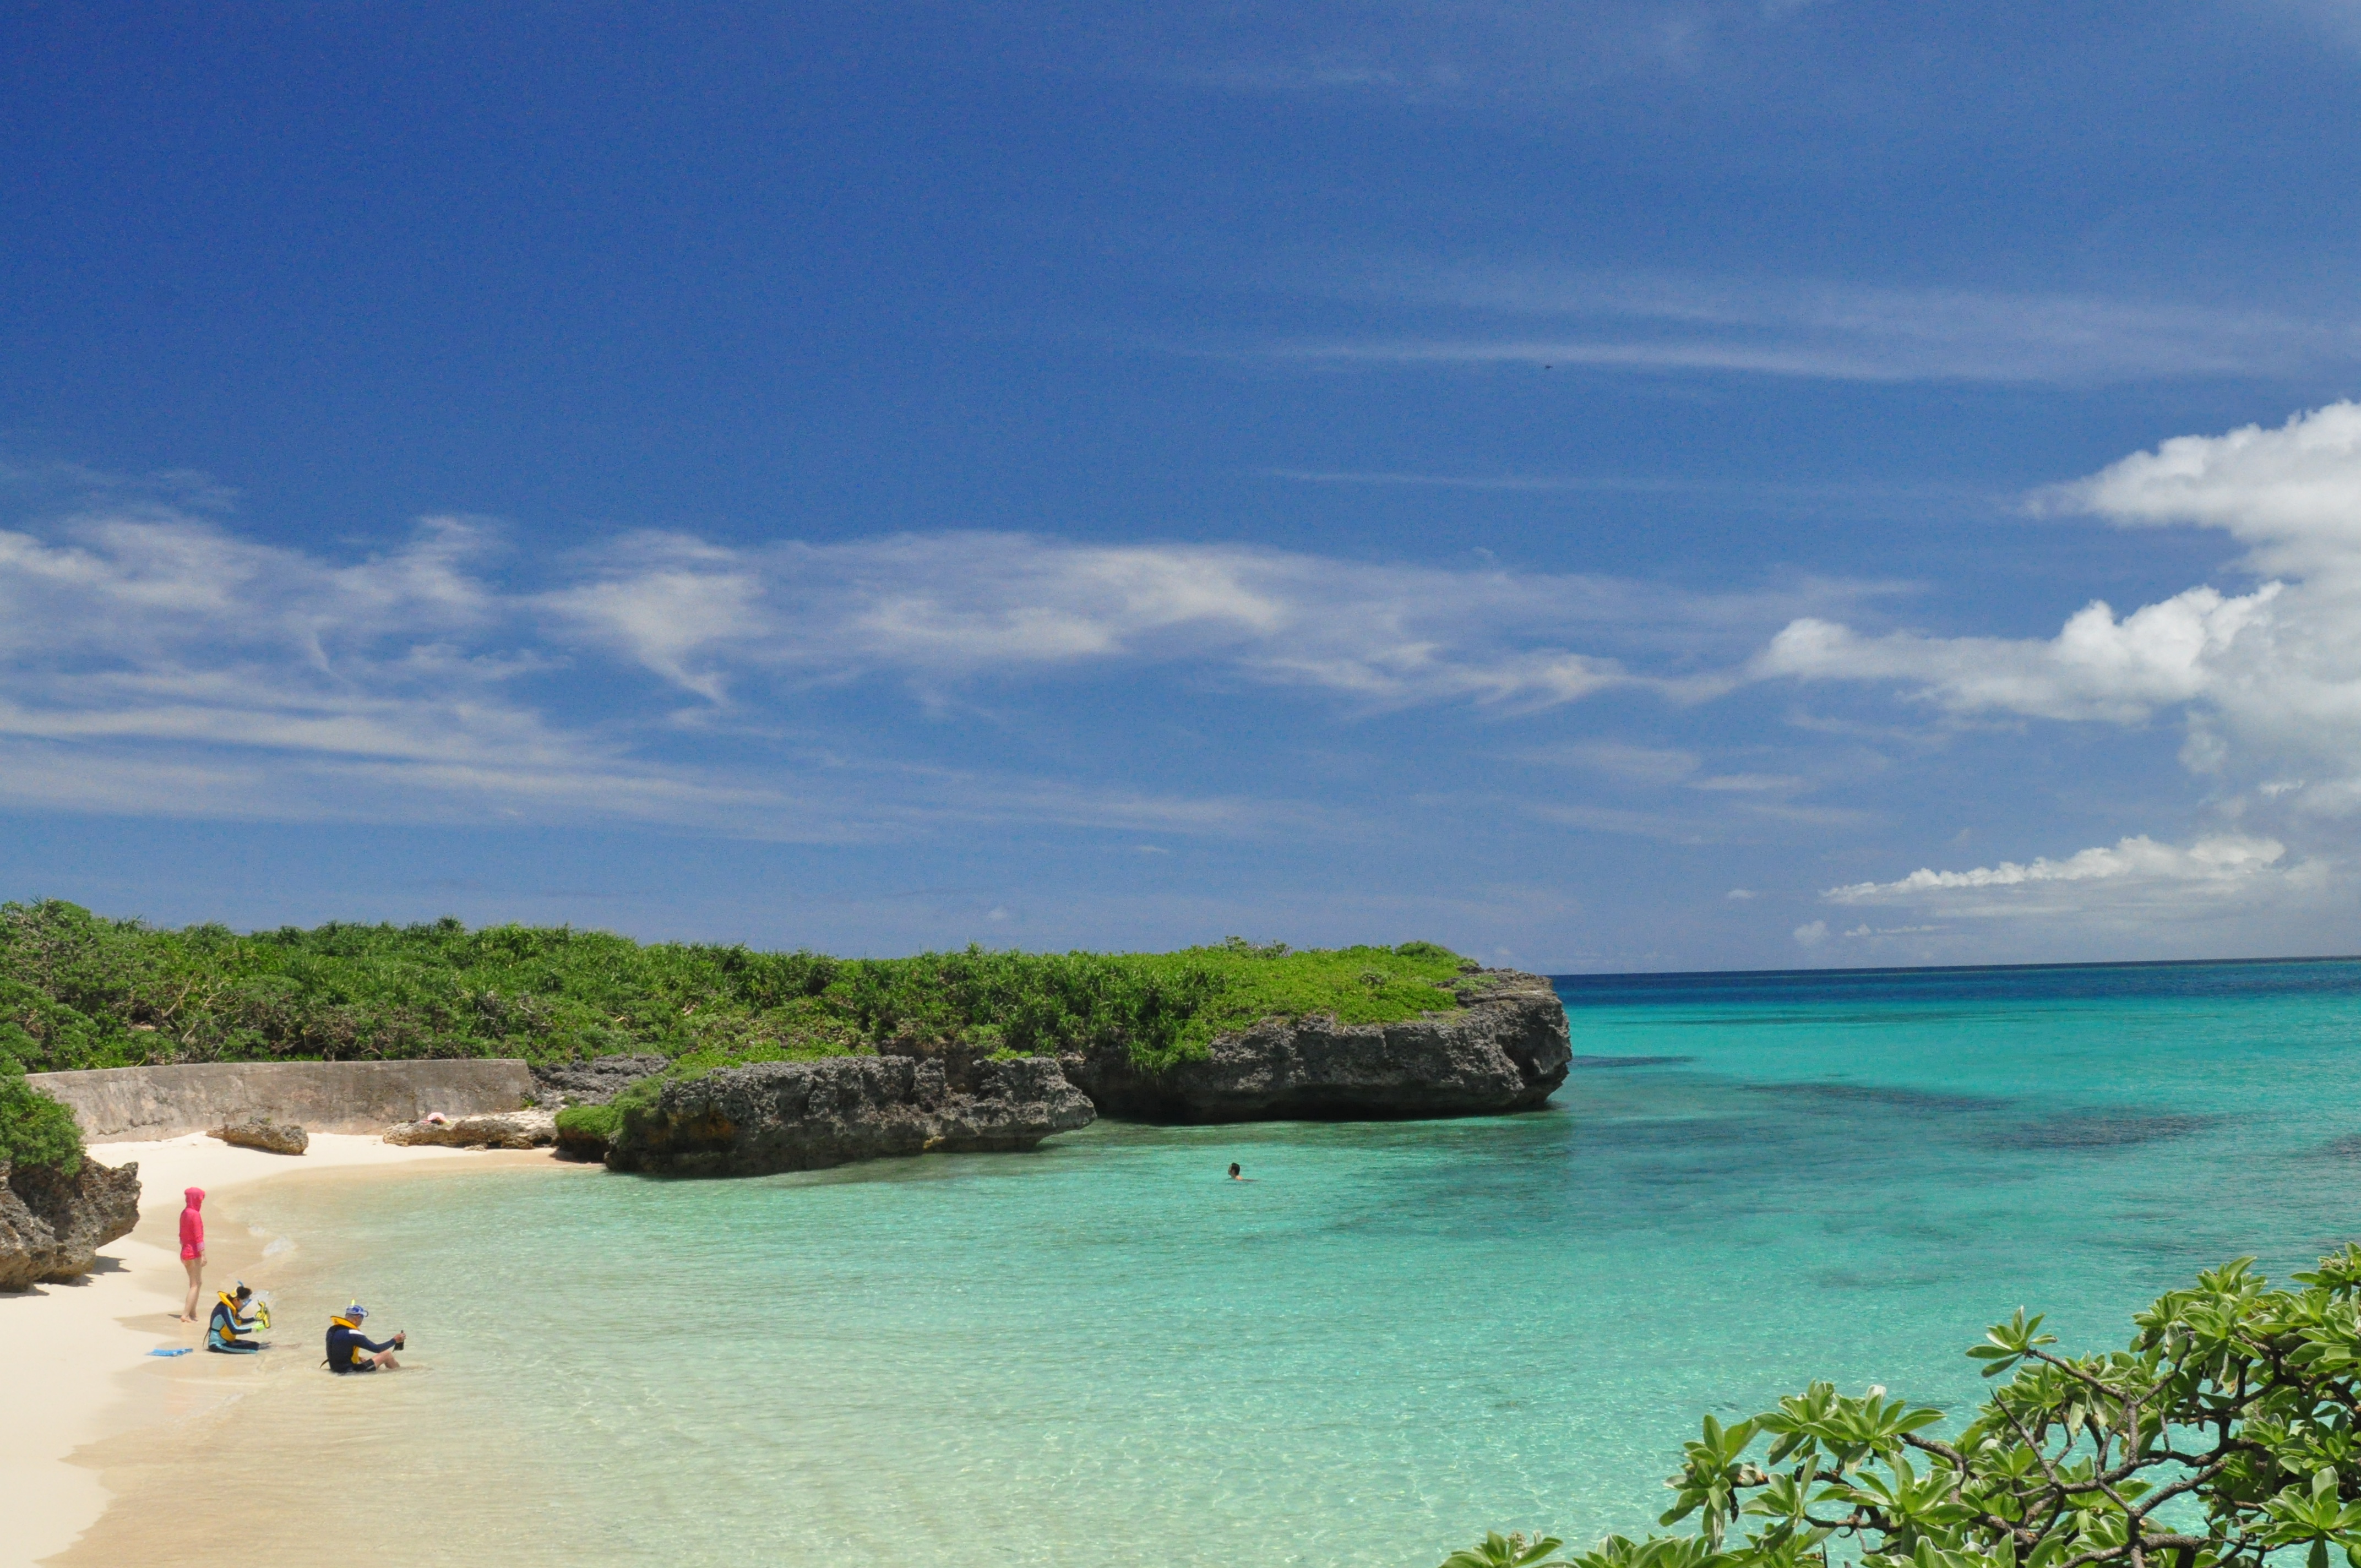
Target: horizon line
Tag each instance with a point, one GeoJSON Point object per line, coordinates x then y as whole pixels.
{"type": "Point", "coordinates": [1952, 968]}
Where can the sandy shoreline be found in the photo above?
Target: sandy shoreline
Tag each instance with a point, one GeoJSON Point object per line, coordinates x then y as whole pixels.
{"type": "Point", "coordinates": [74, 1358]}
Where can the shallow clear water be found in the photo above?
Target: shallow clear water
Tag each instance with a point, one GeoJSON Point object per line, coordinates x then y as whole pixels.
{"type": "Point", "coordinates": [1396, 1335]}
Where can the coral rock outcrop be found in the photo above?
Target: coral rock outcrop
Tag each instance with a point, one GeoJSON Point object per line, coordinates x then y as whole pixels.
{"type": "Point", "coordinates": [1507, 1048]}
{"type": "Point", "coordinates": [596, 1081]}
{"type": "Point", "coordinates": [52, 1224]}
{"type": "Point", "coordinates": [774, 1116]}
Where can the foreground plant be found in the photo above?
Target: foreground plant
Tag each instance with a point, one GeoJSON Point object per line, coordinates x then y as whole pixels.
{"type": "Point", "coordinates": [2228, 1432]}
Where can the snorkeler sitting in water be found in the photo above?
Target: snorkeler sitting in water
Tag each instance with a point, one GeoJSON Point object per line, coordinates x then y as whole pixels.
{"type": "Point", "coordinates": [226, 1331]}
{"type": "Point", "coordinates": [348, 1351]}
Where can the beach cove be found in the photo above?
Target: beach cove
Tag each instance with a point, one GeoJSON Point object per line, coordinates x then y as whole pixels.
{"type": "Point", "coordinates": [1397, 1335]}
{"type": "Point", "coordinates": [74, 1357]}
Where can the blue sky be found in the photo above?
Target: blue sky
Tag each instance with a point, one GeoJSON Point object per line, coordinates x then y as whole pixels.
{"type": "Point", "coordinates": [1614, 486]}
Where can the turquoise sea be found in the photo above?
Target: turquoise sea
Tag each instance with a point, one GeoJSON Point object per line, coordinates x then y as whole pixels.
{"type": "Point", "coordinates": [1394, 1337]}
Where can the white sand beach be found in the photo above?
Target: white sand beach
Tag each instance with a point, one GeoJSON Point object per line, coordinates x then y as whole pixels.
{"type": "Point", "coordinates": [73, 1357]}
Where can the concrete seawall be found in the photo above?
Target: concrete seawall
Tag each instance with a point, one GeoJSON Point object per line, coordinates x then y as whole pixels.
{"type": "Point", "coordinates": [136, 1102]}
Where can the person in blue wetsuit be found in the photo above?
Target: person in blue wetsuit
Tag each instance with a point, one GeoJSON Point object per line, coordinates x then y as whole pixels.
{"type": "Point", "coordinates": [233, 1318]}
{"type": "Point", "coordinates": [348, 1350]}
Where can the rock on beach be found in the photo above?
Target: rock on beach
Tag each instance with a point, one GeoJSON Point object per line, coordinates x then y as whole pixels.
{"type": "Point", "coordinates": [262, 1133]}
{"type": "Point", "coordinates": [528, 1129]}
{"type": "Point", "coordinates": [51, 1224]}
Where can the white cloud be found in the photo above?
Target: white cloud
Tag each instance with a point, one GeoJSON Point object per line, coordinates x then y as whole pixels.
{"type": "Point", "coordinates": [2270, 679]}
{"type": "Point", "coordinates": [2266, 679]}
{"type": "Point", "coordinates": [1657, 767]}
{"type": "Point", "coordinates": [152, 661]}
{"type": "Point", "coordinates": [1824, 331]}
{"type": "Point", "coordinates": [2224, 863]}
{"type": "Point", "coordinates": [1812, 934]}
{"type": "Point", "coordinates": [963, 607]}
{"type": "Point", "coordinates": [1406, 49]}
{"type": "Point", "coordinates": [2096, 667]}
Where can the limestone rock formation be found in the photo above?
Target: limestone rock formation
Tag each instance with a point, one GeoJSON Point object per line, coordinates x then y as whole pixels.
{"type": "Point", "coordinates": [261, 1132]}
{"type": "Point", "coordinates": [593, 1082]}
{"type": "Point", "coordinates": [494, 1130]}
{"type": "Point", "coordinates": [1506, 1049]}
{"type": "Point", "coordinates": [774, 1116]}
{"type": "Point", "coordinates": [52, 1225]}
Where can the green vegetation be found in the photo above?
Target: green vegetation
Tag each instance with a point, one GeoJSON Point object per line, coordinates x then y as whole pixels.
{"type": "Point", "coordinates": [597, 1121]}
{"type": "Point", "coordinates": [78, 990]}
{"type": "Point", "coordinates": [2228, 1435]}
{"type": "Point", "coordinates": [35, 1130]}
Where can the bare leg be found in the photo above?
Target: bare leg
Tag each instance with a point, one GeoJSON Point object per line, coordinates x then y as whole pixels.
{"type": "Point", "coordinates": [196, 1267]}
{"type": "Point", "coordinates": [386, 1362]}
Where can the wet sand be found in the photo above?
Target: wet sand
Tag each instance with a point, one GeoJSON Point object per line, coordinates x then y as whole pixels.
{"type": "Point", "coordinates": [95, 1420]}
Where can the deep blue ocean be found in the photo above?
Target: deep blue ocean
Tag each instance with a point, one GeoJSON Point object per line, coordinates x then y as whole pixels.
{"type": "Point", "coordinates": [1398, 1335]}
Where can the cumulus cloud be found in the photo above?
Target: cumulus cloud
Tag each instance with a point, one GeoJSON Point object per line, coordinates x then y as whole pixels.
{"type": "Point", "coordinates": [2264, 677]}
{"type": "Point", "coordinates": [2226, 861]}
{"type": "Point", "coordinates": [2096, 667]}
{"type": "Point", "coordinates": [2269, 678]}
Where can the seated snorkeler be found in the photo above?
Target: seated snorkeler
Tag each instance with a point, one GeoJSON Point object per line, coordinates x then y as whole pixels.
{"type": "Point", "coordinates": [232, 1319]}
{"type": "Point", "coordinates": [348, 1351]}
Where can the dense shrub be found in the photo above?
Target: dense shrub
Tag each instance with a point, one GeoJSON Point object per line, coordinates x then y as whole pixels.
{"type": "Point", "coordinates": [77, 990]}
{"type": "Point", "coordinates": [35, 1130]}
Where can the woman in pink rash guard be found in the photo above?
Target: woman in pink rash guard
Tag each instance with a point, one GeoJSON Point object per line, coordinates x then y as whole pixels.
{"type": "Point", "coordinates": [192, 1249]}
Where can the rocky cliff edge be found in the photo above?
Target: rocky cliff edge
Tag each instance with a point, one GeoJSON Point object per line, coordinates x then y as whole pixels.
{"type": "Point", "coordinates": [1506, 1049]}
{"type": "Point", "coordinates": [774, 1116]}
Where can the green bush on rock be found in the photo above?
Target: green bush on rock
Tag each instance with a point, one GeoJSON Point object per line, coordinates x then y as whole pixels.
{"type": "Point", "coordinates": [80, 991]}
{"type": "Point", "coordinates": [589, 1124]}
{"type": "Point", "coordinates": [2227, 1434]}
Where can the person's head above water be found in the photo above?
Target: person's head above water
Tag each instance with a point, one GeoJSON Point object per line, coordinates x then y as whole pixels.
{"type": "Point", "coordinates": [1234, 1171]}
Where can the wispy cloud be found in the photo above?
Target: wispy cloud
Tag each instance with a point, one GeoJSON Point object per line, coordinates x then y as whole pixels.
{"type": "Point", "coordinates": [1487, 49]}
{"type": "Point", "coordinates": [158, 661]}
{"type": "Point", "coordinates": [971, 607]}
{"type": "Point", "coordinates": [1835, 331]}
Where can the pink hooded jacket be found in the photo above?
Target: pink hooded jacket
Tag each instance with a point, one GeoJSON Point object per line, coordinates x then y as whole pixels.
{"type": "Point", "coordinates": [193, 1225]}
